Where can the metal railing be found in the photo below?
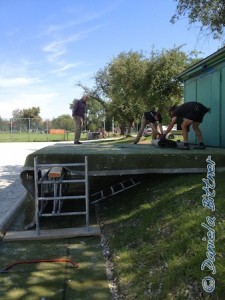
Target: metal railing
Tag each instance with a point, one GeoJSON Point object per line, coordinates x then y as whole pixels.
{"type": "Point", "coordinates": [54, 189]}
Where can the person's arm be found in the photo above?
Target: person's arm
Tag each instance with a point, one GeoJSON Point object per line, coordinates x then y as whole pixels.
{"type": "Point", "coordinates": [84, 117]}
{"type": "Point", "coordinates": [160, 128]}
{"type": "Point", "coordinates": [158, 118]}
{"type": "Point", "coordinates": [170, 126]}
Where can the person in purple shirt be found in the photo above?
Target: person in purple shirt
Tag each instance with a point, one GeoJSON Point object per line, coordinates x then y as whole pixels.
{"type": "Point", "coordinates": [78, 113]}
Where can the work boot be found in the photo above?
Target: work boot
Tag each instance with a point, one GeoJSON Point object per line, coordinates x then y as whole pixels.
{"type": "Point", "coordinates": [185, 146]}
{"type": "Point", "coordinates": [200, 146]}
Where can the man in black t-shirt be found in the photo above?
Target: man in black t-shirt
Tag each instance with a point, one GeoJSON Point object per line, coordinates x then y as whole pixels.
{"type": "Point", "coordinates": [155, 120]}
{"type": "Point", "coordinates": [192, 114]}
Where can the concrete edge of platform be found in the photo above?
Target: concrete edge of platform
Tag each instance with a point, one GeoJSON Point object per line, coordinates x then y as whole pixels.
{"type": "Point", "coordinates": [9, 217]}
{"type": "Point", "coordinates": [48, 234]}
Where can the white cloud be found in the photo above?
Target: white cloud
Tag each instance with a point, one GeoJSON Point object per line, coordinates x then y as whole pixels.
{"type": "Point", "coordinates": [17, 81]}
{"type": "Point", "coordinates": [64, 67]}
{"type": "Point", "coordinates": [58, 47]}
{"type": "Point", "coordinates": [81, 19]}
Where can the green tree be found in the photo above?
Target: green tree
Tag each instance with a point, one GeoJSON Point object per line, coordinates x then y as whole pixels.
{"type": "Point", "coordinates": [118, 87]}
{"type": "Point", "coordinates": [3, 125]}
{"type": "Point", "coordinates": [137, 84]}
{"type": "Point", "coordinates": [33, 112]}
{"type": "Point", "coordinates": [126, 76]}
{"type": "Point", "coordinates": [99, 90]}
{"type": "Point", "coordinates": [132, 83]}
{"type": "Point", "coordinates": [63, 122]}
{"type": "Point", "coordinates": [17, 113]}
{"type": "Point", "coordinates": [29, 117]}
{"type": "Point", "coordinates": [95, 115]}
{"type": "Point", "coordinates": [96, 111]}
{"type": "Point", "coordinates": [210, 13]}
{"type": "Point", "coordinates": [162, 87]}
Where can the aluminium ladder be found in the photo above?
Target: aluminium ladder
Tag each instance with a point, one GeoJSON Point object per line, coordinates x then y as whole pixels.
{"type": "Point", "coordinates": [113, 190]}
{"type": "Point", "coordinates": [52, 187]}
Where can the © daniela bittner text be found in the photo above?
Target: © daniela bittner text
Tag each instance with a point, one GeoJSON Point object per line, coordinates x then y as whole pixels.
{"type": "Point", "coordinates": [208, 282]}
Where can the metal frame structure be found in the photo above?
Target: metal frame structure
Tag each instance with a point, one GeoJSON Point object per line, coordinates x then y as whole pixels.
{"type": "Point", "coordinates": [113, 190]}
{"type": "Point", "coordinates": [56, 184]}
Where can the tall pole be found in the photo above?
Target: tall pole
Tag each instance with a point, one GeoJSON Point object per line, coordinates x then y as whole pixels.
{"type": "Point", "coordinates": [29, 127]}
{"type": "Point", "coordinates": [104, 121]}
{"type": "Point", "coordinates": [11, 125]}
{"type": "Point", "coordinates": [47, 128]}
{"type": "Point", "coordinates": [113, 126]}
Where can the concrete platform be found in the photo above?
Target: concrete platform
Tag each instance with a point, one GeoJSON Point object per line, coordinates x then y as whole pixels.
{"type": "Point", "coordinates": [106, 159]}
{"type": "Point", "coordinates": [51, 234]}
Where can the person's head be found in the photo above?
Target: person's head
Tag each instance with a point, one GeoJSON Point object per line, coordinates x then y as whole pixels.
{"type": "Point", "coordinates": [171, 110]}
{"type": "Point", "coordinates": [85, 98]}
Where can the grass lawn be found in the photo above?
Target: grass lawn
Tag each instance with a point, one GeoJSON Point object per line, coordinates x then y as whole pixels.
{"type": "Point", "coordinates": [35, 137]}
{"type": "Point", "coordinates": [56, 281]}
{"type": "Point", "coordinates": [39, 137]}
{"type": "Point", "coordinates": [157, 241]}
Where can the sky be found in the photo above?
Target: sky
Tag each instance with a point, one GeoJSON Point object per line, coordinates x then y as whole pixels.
{"type": "Point", "coordinates": [47, 46]}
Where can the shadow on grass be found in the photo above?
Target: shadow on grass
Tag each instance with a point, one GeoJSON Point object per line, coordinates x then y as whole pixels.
{"type": "Point", "coordinates": [155, 235]}
{"type": "Point", "coordinates": [54, 280]}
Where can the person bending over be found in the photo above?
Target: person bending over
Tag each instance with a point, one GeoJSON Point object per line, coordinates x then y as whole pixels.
{"type": "Point", "coordinates": [192, 113]}
{"type": "Point", "coordinates": [155, 120]}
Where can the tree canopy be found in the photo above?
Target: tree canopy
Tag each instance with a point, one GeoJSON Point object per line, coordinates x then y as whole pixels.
{"type": "Point", "coordinates": [132, 83]}
{"type": "Point", "coordinates": [63, 122]}
{"type": "Point", "coordinates": [33, 112]}
{"type": "Point", "coordinates": [162, 88]}
{"type": "Point", "coordinates": [126, 78]}
{"type": "Point", "coordinates": [210, 13]}
{"type": "Point", "coordinates": [25, 116]}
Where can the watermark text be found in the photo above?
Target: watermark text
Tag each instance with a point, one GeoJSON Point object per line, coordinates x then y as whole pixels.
{"type": "Point", "coordinates": [208, 282]}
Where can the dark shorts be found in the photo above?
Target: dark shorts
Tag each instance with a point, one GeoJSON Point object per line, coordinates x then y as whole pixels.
{"type": "Point", "coordinates": [197, 114]}
{"type": "Point", "coordinates": [149, 117]}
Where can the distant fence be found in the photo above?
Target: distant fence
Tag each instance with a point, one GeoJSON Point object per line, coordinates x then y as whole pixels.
{"type": "Point", "coordinates": [29, 129]}
{"type": "Point", "coordinates": [23, 125]}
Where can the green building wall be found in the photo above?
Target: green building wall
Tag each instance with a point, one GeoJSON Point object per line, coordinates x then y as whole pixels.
{"type": "Point", "coordinates": [222, 107]}
{"type": "Point", "coordinates": [206, 84]}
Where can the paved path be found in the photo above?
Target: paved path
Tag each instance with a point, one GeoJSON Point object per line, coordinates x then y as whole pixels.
{"type": "Point", "coordinates": [12, 159]}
